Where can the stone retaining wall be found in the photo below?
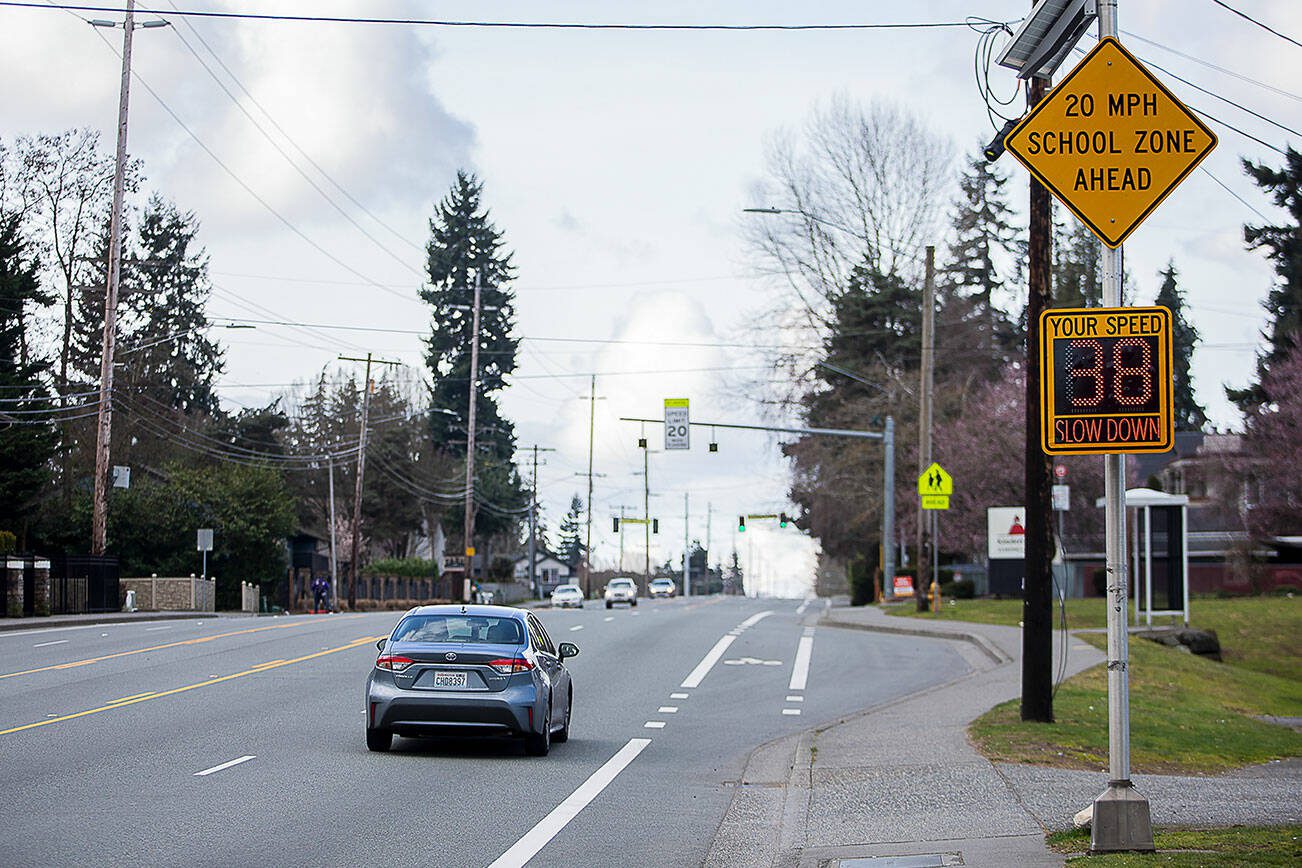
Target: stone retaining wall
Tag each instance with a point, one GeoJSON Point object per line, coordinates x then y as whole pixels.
{"type": "Point", "coordinates": [172, 593]}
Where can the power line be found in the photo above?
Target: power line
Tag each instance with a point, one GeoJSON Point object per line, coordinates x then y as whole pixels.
{"type": "Point", "coordinates": [236, 178]}
{"type": "Point", "coordinates": [498, 25]}
{"type": "Point", "coordinates": [1246, 203]}
{"type": "Point", "coordinates": [1240, 76]}
{"type": "Point", "coordinates": [1266, 27]}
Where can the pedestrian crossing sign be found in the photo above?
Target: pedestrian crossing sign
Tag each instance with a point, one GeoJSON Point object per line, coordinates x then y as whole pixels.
{"type": "Point", "coordinates": [935, 486]}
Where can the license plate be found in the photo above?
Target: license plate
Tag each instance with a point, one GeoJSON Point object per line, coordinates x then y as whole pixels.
{"type": "Point", "coordinates": [449, 679]}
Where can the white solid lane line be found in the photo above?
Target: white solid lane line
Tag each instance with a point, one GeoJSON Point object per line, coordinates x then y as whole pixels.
{"type": "Point", "coordinates": [48, 644]}
{"type": "Point", "coordinates": [576, 627]}
{"type": "Point", "coordinates": [707, 662]}
{"type": "Point", "coordinates": [654, 724]}
{"type": "Point", "coordinates": [224, 766]}
{"type": "Point", "coordinates": [800, 610]}
{"type": "Point", "coordinates": [152, 629]}
{"type": "Point", "coordinates": [800, 672]}
{"type": "Point", "coordinates": [754, 619]}
{"type": "Point", "coordinates": [550, 826]}
{"type": "Point", "coordinates": [668, 709]}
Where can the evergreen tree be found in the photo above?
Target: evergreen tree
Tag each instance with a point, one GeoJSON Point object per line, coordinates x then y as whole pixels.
{"type": "Point", "coordinates": [1189, 414]}
{"type": "Point", "coordinates": [464, 247]}
{"type": "Point", "coordinates": [571, 544]}
{"type": "Point", "coordinates": [168, 355]}
{"type": "Point", "coordinates": [1283, 245]}
{"type": "Point", "coordinates": [1077, 281]}
{"type": "Point", "coordinates": [985, 245]}
{"type": "Point", "coordinates": [27, 438]}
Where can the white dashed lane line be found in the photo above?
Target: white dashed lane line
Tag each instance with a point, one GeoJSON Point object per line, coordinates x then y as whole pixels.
{"type": "Point", "coordinates": [791, 711]}
{"type": "Point", "coordinates": [795, 699]}
{"type": "Point", "coordinates": [551, 825]}
{"type": "Point", "coordinates": [667, 709]}
{"type": "Point", "coordinates": [576, 627]}
{"type": "Point", "coordinates": [712, 656]}
{"type": "Point", "coordinates": [654, 724]}
{"type": "Point", "coordinates": [608, 618]}
{"type": "Point", "coordinates": [48, 644]}
{"type": "Point", "coordinates": [224, 766]}
{"type": "Point", "coordinates": [678, 695]}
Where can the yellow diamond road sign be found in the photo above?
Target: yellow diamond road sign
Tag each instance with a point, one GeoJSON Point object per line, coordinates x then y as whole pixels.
{"type": "Point", "coordinates": [1111, 141]}
{"type": "Point", "coordinates": [935, 486]}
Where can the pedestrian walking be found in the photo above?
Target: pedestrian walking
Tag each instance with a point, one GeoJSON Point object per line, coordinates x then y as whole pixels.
{"type": "Point", "coordinates": [320, 591]}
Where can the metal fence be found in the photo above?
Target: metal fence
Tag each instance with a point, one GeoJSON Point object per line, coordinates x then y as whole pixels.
{"type": "Point", "coordinates": [81, 584]}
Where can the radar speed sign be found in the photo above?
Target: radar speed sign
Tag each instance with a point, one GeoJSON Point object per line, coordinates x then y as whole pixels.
{"type": "Point", "coordinates": [1105, 382]}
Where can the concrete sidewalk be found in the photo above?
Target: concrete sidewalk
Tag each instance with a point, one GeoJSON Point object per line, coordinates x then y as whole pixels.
{"type": "Point", "coordinates": [58, 621]}
{"type": "Point", "coordinates": [902, 780]}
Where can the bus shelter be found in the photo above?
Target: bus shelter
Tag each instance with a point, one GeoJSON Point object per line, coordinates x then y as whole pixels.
{"type": "Point", "coordinates": [1159, 552]}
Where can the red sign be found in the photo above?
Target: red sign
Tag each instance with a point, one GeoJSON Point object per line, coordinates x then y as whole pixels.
{"type": "Point", "coordinates": [1060, 471]}
{"type": "Point", "coordinates": [904, 586]}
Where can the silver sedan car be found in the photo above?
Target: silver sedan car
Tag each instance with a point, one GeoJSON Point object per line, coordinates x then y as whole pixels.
{"type": "Point", "coordinates": [470, 670]}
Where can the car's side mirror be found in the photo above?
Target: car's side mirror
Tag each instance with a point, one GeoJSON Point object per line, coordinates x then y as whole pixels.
{"type": "Point", "coordinates": [380, 644]}
{"type": "Point", "coordinates": [568, 649]}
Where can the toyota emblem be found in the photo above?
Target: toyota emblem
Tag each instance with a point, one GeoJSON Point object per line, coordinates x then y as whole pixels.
{"type": "Point", "coordinates": [451, 655]}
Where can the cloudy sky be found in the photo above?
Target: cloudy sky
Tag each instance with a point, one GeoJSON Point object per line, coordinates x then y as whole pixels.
{"type": "Point", "coordinates": [617, 164]}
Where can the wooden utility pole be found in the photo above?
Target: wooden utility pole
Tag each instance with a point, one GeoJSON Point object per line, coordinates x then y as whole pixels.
{"type": "Point", "coordinates": [927, 376]}
{"type": "Point", "coordinates": [1037, 595]}
{"type": "Point", "coordinates": [587, 543]}
{"type": "Point", "coordinates": [104, 427]}
{"type": "Point", "coordinates": [361, 472]}
{"type": "Point", "coordinates": [469, 527]}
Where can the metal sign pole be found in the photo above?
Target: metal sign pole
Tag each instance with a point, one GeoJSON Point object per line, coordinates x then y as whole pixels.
{"type": "Point", "coordinates": [1121, 815]}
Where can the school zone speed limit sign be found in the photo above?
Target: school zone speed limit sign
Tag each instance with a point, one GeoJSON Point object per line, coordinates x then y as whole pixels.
{"type": "Point", "coordinates": [678, 428]}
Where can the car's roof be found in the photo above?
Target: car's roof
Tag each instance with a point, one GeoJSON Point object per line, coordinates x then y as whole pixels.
{"type": "Point", "coordinates": [467, 609]}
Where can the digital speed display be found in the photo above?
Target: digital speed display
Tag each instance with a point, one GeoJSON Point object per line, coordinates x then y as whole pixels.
{"type": "Point", "coordinates": [1106, 380]}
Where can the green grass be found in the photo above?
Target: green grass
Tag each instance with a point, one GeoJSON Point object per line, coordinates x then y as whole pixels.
{"type": "Point", "coordinates": [1187, 715]}
{"type": "Point", "coordinates": [1257, 633]}
{"type": "Point", "coordinates": [1194, 848]}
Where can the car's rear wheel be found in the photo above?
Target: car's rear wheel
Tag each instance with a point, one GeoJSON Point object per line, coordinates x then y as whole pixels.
{"type": "Point", "coordinates": [539, 743]}
{"type": "Point", "coordinates": [563, 734]}
{"type": "Point", "coordinates": [379, 740]}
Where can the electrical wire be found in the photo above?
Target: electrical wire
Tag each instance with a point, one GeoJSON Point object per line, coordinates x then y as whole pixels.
{"type": "Point", "coordinates": [240, 181]}
{"type": "Point", "coordinates": [1210, 65]}
{"type": "Point", "coordinates": [1266, 27]}
{"type": "Point", "coordinates": [500, 25]}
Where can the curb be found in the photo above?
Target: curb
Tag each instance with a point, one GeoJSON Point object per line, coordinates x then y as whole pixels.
{"type": "Point", "coordinates": [37, 623]}
{"type": "Point", "coordinates": [983, 644]}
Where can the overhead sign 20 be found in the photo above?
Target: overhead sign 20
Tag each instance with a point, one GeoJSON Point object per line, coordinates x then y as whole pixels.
{"type": "Point", "coordinates": [1105, 380]}
{"type": "Point", "coordinates": [1110, 141]}
{"type": "Point", "coordinates": [678, 429]}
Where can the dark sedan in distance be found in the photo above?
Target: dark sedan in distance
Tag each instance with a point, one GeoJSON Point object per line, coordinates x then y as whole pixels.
{"type": "Point", "coordinates": [470, 670]}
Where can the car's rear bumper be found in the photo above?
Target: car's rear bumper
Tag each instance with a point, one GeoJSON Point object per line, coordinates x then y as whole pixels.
{"type": "Point", "coordinates": [434, 712]}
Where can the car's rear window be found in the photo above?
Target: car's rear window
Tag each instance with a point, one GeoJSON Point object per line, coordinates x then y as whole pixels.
{"type": "Point", "coordinates": [482, 629]}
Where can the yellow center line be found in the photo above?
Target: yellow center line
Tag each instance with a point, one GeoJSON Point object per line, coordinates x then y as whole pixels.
{"type": "Point", "coordinates": [197, 641]}
{"type": "Point", "coordinates": [123, 703]}
{"type": "Point", "coordinates": [132, 696]}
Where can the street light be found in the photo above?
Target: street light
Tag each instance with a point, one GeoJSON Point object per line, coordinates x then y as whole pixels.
{"type": "Point", "coordinates": [104, 425]}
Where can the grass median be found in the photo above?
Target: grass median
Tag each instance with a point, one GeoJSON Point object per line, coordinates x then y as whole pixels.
{"type": "Point", "coordinates": [1194, 848]}
{"type": "Point", "coordinates": [1188, 714]}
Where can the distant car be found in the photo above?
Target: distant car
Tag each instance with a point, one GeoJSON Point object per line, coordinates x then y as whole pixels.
{"type": "Point", "coordinates": [661, 588]}
{"type": "Point", "coordinates": [567, 596]}
{"type": "Point", "coordinates": [470, 670]}
{"type": "Point", "coordinates": [621, 591]}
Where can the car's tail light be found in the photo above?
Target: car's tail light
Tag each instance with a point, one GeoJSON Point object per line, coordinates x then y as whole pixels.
{"type": "Point", "coordinates": [392, 662]}
{"type": "Point", "coordinates": [510, 666]}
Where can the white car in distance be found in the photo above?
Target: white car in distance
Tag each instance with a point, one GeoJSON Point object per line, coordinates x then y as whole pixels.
{"type": "Point", "coordinates": [567, 597]}
{"type": "Point", "coordinates": [621, 591]}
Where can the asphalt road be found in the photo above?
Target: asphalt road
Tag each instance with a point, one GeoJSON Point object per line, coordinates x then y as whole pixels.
{"type": "Point", "coordinates": [103, 732]}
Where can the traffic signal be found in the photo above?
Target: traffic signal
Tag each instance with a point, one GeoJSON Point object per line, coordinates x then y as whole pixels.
{"type": "Point", "coordinates": [783, 519]}
{"type": "Point", "coordinates": [616, 521]}
{"type": "Point", "coordinates": [655, 525]}
{"type": "Point", "coordinates": [741, 523]}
